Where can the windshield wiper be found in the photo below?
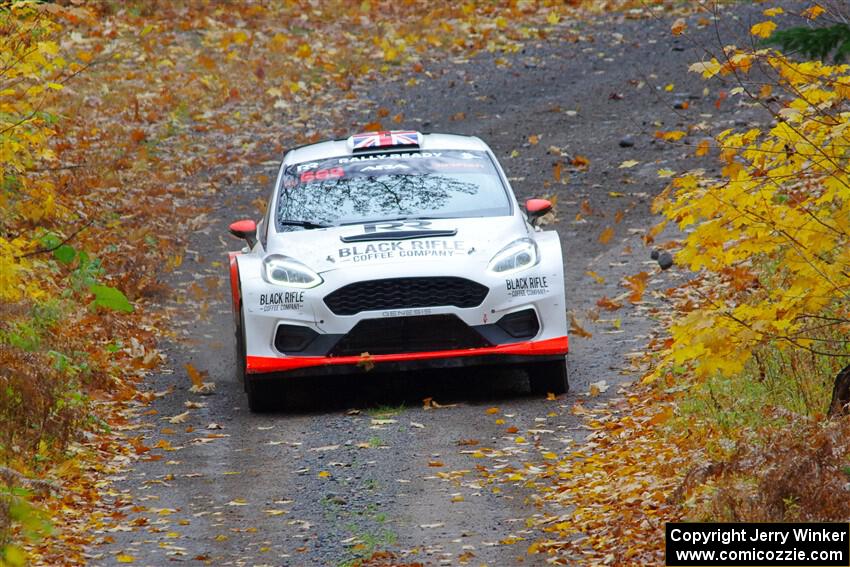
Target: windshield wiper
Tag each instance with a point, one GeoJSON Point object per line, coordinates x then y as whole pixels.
{"type": "Point", "coordinates": [374, 221]}
{"type": "Point", "coordinates": [302, 223]}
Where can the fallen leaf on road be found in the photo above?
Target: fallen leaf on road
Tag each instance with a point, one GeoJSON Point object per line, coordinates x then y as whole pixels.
{"type": "Point", "coordinates": [580, 161]}
{"type": "Point", "coordinates": [205, 389]}
{"type": "Point", "coordinates": [429, 403]}
{"type": "Point", "coordinates": [636, 283]}
{"type": "Point", "coordinates": [608, 304]}
{"type": "Point", "coordinates": [195, 375]}
{"type": "Point", "coordinates": [179, 418]}
{"type": "Point", "coordinates": [577, 329]}
{"type": "Point", "coordinates": [597, 388]}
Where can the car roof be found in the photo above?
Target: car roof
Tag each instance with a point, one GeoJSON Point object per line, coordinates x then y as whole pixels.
{"type": "Point", "coordinates": [341, 147]}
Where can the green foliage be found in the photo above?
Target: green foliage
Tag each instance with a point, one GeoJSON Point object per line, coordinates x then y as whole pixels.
{"type": "Point", "coordinates": [774, 385]}
{"type": "Point", "coordinates": [110, 298]}
{"type": "Point", "coordinates": [814, 43]}
{"type": "Point", "coordinates": [31, 521]}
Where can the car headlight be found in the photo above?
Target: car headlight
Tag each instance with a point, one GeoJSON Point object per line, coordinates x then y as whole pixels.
{"type": "Point", "coordinates": [283, 270]}
{"type": "Point", "coordinates": [518, 255]}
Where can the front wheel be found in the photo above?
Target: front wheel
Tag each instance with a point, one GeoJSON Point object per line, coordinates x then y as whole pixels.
{"type": "Point", "coordinates": [550, 376]}
{"type": "Point", "coordinates": [241, 352]}
{"type": "Point", "coordinates": [262, 395]}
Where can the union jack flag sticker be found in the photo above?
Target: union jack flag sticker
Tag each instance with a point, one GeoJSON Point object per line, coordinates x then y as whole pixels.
{"type": "Point", "coordinates": [385, 139]}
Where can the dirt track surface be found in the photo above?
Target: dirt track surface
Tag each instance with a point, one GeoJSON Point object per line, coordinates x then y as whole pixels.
{"type": "Point", "coordinates": [355, 469]}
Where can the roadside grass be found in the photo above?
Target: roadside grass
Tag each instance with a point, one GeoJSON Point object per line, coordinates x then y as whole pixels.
{"type": "Point", "coordinates": [369, 540]}
{"type": "Point", "coordinates": [775, 389]}
{"type": "Point", "coordinates": [773, 455]}
{"type": "Point", "coordinates": [384, 411]}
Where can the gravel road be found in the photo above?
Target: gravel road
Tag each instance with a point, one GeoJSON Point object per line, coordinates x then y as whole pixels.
{"type": "Point", "coordinates": [359, 465]}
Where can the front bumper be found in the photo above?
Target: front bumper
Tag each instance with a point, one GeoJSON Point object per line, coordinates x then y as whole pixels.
{"type": "Point", "coordinates": [320, 332]}
{"type": "Point", "coordinates": [514, 353]}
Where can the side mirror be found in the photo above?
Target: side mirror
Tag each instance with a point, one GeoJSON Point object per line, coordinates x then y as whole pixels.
{"type": "Point", "coordinates": [536, 208]}
{"type": "Point", "coordinates": [246, 230]}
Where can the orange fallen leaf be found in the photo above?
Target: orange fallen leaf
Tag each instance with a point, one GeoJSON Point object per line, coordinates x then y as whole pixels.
{"type": "Point", "coordinates": [637, 283]}
{"type": "Point", "coordinates": [661, 416]}
{"type": "Point", "coordinates": [577, 329]}
{"type": "Point", "coordinates": [606, 235]}
{"type": "Point", "coordinates": [608, 304]}
{"type": "Point", "coordinates": [580, 161]}
{"type": "Point", "coordinates": [195, 375]}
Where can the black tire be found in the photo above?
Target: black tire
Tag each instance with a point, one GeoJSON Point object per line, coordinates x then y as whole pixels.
{"type": "Point", "coordinates": [550, 376]}
{"type": "Point", "coordinates": [262, 395]}
{"type": "Point", "coordinates": [241, 353]}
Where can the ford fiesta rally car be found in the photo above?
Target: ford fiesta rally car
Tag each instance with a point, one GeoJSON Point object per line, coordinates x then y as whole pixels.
{"type": "Point", "coordinates": [393, 251]}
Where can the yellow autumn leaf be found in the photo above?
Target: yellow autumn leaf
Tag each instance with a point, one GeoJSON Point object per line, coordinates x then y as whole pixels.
{"type": "Point", "coordinates": [763, 29]}
{"type": "Point", "coordinates": [813, 12]}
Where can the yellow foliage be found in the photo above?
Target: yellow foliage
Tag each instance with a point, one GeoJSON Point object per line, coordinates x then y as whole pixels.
{"type": "Point", "coordinates": [29, 63]}
{"type": "Point", "coordinates": [773, 231]}
{"type": "Point", "coordinates": [763, 29]}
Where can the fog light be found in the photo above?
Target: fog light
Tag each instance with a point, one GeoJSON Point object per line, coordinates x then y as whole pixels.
{"type": "Point", "coordinates": [520, 325]}
{"type": "Point", "coordinates": [293, 338]}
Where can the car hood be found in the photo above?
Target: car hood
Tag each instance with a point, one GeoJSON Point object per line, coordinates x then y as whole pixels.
{"type": "Point", "coordinates": [464, 241]}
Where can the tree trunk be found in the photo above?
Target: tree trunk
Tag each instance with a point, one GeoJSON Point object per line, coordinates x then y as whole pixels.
{"type": "Point", "coordinates": [841, 394]}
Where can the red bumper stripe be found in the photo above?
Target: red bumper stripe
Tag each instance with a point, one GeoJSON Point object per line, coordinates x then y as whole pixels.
{"type": "Point", "coordinates": [234, 280]}
{"type": "Point", "coordinates": [264, 364]}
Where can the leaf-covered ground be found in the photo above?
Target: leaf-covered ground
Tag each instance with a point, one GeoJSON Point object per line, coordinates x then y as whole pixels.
{"type": "Point", "coordinates": [408, 480]}
{"type": "Point", "coordinates": [173, 125]}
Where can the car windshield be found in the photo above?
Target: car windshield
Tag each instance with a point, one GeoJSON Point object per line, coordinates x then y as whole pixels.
{"type": "Point", "coordinates": [376, 187]}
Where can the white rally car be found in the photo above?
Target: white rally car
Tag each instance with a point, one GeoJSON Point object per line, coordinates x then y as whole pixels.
{"type": "Point", "coordinates": [393, 251]}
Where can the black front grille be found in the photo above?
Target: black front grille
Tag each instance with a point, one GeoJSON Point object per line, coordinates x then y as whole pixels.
{"type": "Point", "coordinates": [394, 335]}
{"type": "Point", "coordinates": [405, 293]}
